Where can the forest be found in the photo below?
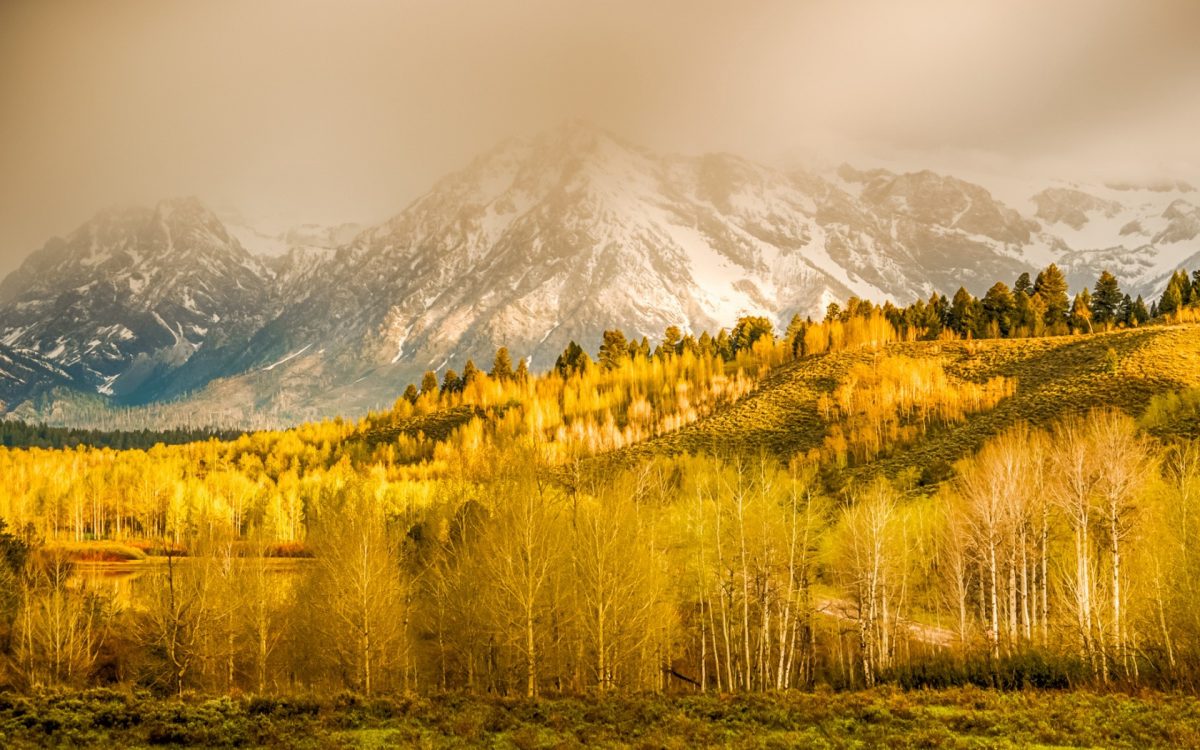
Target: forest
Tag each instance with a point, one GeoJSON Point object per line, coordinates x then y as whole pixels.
{"type": "Point", "coordinates": [603, 530]}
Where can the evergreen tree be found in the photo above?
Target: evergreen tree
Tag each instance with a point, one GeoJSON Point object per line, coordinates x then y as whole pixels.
{"type": "Point", "coordinates": [451, 383]}
{"type": "Point", "coordinates": [13, 550]}
{"type": "Point", "coordinates": [1052, 286]}
{"type": "Point", "coordinates": [1140, 313]}
{"type": "Point", "coordinates": [1172, 298]}
{"type": "Point", "coordinates": [1023, 284]}
{"type": "Point", "coordinates": [721, 345]}
{"type": "Point", "coordinates": [748, 330]}
{"type": "Point", "coordinates": [932, 320]}
{"type": "Point", "coordinates": [833, 312]}
{"type": "Point", "coordinates": [470, 372]}
{"type": "Point", "coordinates": [981, 327]}
{"type": "Point", "coordinates": [1025, 317]}
{"type": "Point", "coordinates": [961, 317]}
{"type": "Point", "coordinates": [941, 303]}
{"type": "Point", "coordinates": [410, 394]}
{"type": "Point", "coordinates": [641, 349]}
{"type": "Point", "coordinates": [502, 365]}
{"type": "Point", "coordinates": [998, 307]}
{"type": "Point", "coordinates": [572, 360]}
{"type": "Point", "coordinates": [904, 319]}
{"type": "Point", "coordinates": [429, 382]}
{"type": "Point", "coordinates": [689, 344]}
{"type": "Point", "coordinates": [672, 338]}
{"type": "Point", "coordinates": [613, 349]}
{"type": "Point", "coordinates": [1106, 301]}
{"type": "Point", "coordinates": [794, 335]}
{"type": "Point", "coordinates": [1125, 314]}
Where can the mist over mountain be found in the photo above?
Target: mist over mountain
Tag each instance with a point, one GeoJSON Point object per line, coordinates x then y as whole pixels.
{"type": "Point", "coordinates": [536, 243]}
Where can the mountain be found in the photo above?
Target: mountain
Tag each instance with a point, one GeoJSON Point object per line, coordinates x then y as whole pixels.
{"type": "Point", "coordinates": [125, 303]}
{"type": "Point", "coordinates": [1140, 234]}
{"type": "Point", "coordinates": [536, 243]}
{"type": "Point", "coordinates": [24, 375]}
{"type": "Point", "coordinates": [553, 239]}
{"type": "Point", "coordinates": [291, 251]}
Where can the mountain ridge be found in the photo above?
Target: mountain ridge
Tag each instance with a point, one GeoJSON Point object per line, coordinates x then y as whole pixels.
{"type": "Point", "coordinates": [539, 242]}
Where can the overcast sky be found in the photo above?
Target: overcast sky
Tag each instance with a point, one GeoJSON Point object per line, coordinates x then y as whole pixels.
{"type": "Point", "coordinates": [334, 111]}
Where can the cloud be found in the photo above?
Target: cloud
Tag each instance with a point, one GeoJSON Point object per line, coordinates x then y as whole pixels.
{"type": "Point", "coordinates": [336, 111]}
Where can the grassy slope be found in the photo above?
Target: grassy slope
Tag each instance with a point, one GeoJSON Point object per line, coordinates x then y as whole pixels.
{"type": "Point", "coordinates": [1055, 376]}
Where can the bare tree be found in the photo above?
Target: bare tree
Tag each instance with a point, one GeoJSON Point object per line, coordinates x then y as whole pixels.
{"type": "Point", "coordinates": [865, 551]}
{"type": "Point", "coordinates": [522, 551]}
{"type": "Point", "coordinates": [361, 587]}
{"type": "Point", "coordinates": [60, 626]}
{"type": "Point", "coordinates": [1075, 479]}
{"type": "Point", "coordinates": [612, 564]}
{"type": "Point", "coordinates": [993, 486]}
{"type": "Point", "coordinates": [1126, 465]}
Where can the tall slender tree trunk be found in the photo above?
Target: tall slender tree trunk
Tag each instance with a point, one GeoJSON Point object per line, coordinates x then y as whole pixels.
{"type": "Point", "coordinates": [1044, 559]}
{"type": "Point", "coordinates": [994, 600]}
{"type": "Point", "coordinates": [1026, 614]}
{"type": "Point", "coordinates": [530, 656]}
{"type": "Point", "coordinates": [1013, 624]}
{"type": "Point", "coordinates": [1117, 621]}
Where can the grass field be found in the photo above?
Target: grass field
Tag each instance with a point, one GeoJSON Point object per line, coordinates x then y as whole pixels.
{"type": "Point", "coordinates": [934, 719]}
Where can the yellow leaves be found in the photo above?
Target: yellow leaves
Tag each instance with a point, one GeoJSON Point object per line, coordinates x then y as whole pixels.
{"type": "Point", "coordinates": [275, 479]}
{"type": "Point", "coordinates": [859, 331]}
{"type": "Point", "coordinates": [892, 401]}
{"type": "Point", "coordinates": [1173, 412]}
{"type": "Point", "coordinates": [640, 412]}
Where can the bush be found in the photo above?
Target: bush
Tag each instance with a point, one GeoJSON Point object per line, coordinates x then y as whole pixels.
{"type": "Point", "coordinates": [885, 717]}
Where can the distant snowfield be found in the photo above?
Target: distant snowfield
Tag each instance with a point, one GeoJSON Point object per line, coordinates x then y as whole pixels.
{"type": "Point", "coordinates": [276, 236]}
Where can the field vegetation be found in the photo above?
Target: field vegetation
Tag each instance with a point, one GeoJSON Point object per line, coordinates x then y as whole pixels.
{"type": "Point", "coordinates": [955, 718]}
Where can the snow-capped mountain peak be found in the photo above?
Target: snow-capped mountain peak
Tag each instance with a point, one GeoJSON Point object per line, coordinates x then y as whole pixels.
{"type": "Point", "coordinates": [535, 243]}
{"type": "Point", "coordinates": [131, 292]}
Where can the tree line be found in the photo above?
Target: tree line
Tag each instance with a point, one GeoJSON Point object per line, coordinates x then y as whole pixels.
{"type": "Point", "coordinates": [1054, 557]}
{"type": "Point", "coordinates": [17, 434]}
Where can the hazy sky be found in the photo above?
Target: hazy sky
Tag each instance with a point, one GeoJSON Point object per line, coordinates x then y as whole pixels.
{"type": "Point", "coordinates": [336, 111]}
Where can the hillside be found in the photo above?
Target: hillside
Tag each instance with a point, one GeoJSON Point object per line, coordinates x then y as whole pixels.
{"type": "Point", "coordinates": [1054, 376]}
{"type": "Point", "coordinates": [781, 415]}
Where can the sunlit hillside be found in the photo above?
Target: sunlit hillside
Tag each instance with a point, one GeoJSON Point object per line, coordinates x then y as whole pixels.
{"type": "Point", "coordinates": [1050, 377]}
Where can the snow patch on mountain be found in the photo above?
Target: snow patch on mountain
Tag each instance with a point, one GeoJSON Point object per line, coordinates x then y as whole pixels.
{"type": "Point", "coordinates": [288, 358]}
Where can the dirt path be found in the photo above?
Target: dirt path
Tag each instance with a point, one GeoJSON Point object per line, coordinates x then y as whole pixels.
{"type": "Point", "coordinates": [846, 610]}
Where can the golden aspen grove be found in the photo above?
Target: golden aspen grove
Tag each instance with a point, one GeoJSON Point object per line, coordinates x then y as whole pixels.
{"type": "Point", "coordinates": [926, 510]}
